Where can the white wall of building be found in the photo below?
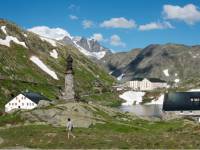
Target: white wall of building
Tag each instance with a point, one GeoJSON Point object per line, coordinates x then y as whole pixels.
{"type": "Point", "coordinates": [20, 102]}
{"type": "Point", "coordinates": [145, 85]}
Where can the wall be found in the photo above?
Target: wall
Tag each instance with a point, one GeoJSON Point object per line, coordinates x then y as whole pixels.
{"type": "Point", "coordinates": [20, 102]}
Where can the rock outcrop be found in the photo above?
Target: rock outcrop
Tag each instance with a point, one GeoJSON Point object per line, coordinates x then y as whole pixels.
{"type": "Point", "coordinates": [80, 113]}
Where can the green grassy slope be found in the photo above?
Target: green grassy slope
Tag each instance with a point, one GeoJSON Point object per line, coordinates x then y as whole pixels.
{"type": "Point", "coordinates": [16, 67]}
{"type": "Point", "coordinates": [114, 134]}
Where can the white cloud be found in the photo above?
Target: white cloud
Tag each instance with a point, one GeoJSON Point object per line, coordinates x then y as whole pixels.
{"type": "Point", "coordinates": [73, 17]}
{"type": "Point", "coordinates": [118, 23]}
{"type": "Point", "coordinates": [115, 40]}
{"type": "Point", "coordinates": [73, 7]}
{"type": "Point", "coordinates": [52, 33]}
{"type": "Point", "coordinates": [188, 13]}
{"type": "Point", "coordinates": [155, 25]}
{"type": "Point", "coordinates": [87, 24]}
{"type": "Point", "coordinates": [97, 37]}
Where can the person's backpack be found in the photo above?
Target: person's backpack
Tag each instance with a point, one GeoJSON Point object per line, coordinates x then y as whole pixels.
{"type": "Point", "coordinates": [72, 127]}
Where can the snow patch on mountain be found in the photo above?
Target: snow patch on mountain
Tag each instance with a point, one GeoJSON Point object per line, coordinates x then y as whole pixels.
{"type": "Point", "coordinates": [88, 42]}
{"type": "Point", "coordinates": [3, 28]}
{"type": "Point", "coordinates": [177, 80]}
{"type": "Point", "coordinates": [111, 72]}
{"type": "Point", "coordinates": [120, 77]}
{"type": "Point", "coordinates": [132, 97]}
{"type": "Point", "coordinates": [52, 42]}
{"type": "Point", "coordinates": [166, 72]}
{"type": "Point", "coordinates": [54, 54]}
{"type": "Point", "coordinates": [42, 66]}
{"type": "Point", "coordinates": [8, 39]}
{"type": "Point", "coordinates": [97, 55]}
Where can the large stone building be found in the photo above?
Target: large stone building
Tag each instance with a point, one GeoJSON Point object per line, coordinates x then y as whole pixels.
{"type": "Point", "coordinates": [146, 84]}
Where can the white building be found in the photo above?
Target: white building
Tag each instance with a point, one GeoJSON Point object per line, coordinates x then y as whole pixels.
{"type": "Point", "coordinates": [146, 84]}
{"type": "Point", "coordinates": [26, 101]}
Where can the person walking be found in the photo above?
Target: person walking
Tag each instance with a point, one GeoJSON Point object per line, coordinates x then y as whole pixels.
{"type": "Point", "coordinates": [70, 128]}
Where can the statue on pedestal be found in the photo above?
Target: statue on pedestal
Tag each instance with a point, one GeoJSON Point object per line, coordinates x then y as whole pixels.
{"type": "Point", "coordinates": [69, 93]}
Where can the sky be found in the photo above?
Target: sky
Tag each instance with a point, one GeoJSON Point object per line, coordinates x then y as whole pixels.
{"type": "Point", "coordinates": [120, 25]}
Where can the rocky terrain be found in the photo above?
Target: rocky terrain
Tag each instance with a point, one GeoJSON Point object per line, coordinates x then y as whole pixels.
{"type": "Point", "coordinates": [83, 114]}
{"type": "Point", "coordinates": [89, 47]}
{"type": "Point", "coordinates": [115, 62]}
{"type": "Point", "coordinates": [174, 63]}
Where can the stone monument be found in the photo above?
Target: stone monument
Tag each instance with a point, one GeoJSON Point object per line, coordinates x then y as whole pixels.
{"type": "Point", "coordinates": [69, 93]}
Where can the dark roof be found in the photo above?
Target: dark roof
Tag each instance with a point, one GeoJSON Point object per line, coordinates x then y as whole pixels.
{"type": "Point", "coordinates": [155, 80]}
{"type": "Point", "coordinates": [178, 101]}
{"type": "Point", "coordinates": [138, 79]}
{"type": "Point", "coordinates": [150, 79]}
{"type": "Point", "coordinates": [35, 97]}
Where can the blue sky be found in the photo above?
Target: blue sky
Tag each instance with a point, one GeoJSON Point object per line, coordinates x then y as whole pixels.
{"type": "Point", "coordinates": [118, 24]}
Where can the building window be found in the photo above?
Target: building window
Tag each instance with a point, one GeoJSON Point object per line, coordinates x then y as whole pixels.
{"type": "Point", "coordinates": [15, 104]}
{"type": "Point", "coordinates": [27, 104]}
{"type": "Point", "coordinates": [22, 104]}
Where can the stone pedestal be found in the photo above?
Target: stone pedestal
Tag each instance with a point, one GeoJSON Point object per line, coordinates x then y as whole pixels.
{"type": "Point", "coordinates": [69, 93]}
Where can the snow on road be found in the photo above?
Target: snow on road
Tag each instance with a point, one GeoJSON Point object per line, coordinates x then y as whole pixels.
{"type": "Point", "coordinates": [132, 97]}
{"type": "Point", "coordinates": [42, 66]}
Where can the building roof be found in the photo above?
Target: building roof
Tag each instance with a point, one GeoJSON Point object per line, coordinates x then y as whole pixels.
{"type": "Point", "coordinates": [150, 79]}
{"type": "Point", "coordinates": [179, 101]}
{"type": "Point", "coordinates": [35, 97]}
{"type": "Point", "coordinates": [137, 79]}
{"type": "Point", "coordinates": [156, 80]}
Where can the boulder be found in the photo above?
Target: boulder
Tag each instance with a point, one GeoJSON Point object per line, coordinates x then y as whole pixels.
{"type": "Point", "coordinates": [43, 103]}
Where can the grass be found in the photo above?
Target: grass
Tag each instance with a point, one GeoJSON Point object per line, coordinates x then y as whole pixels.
{"type": "Point", "coordinates": [106, 99]}
{"type": "Point", "coordinates": [10, 119]}
{"type": "Point", "coordinates": [134, 134]}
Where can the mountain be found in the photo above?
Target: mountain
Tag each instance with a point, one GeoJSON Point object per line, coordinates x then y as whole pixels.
{"type": "Point", "coordinates": [89, 47]}
{"type": "Point", "coordinates": [36, 63]}
{"type": "Point", "coordinates": [115, 62]}
{"type": "Point", "coordinates": [171, 62]}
